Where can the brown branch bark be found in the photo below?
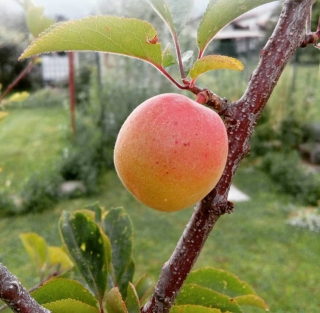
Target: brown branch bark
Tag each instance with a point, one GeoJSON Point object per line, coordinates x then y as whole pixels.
{"type": "Point", "coordinates": [15, 295]}
{"type": "Point", "coordinates": [241, 118]}
{"type": "Point", "coordinates": [23, 73]}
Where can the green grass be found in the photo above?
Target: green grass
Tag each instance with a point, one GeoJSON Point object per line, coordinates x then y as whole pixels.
{"type": "Point", "coordinates": [281, 262]}
{"type": "Point", "coordinates": [30, 140]}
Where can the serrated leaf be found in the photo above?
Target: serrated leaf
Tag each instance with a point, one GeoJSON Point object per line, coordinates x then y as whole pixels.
{"type": "Point", "coordinates": [62, 288]}
{"type": "Point", "coordinates": [169, 58]}
{"type": "Point", "coordinates": [132, 300]}
{"type": "Point", "coordinates": [193, 309]}
{"type": "Point", "coordinates": [19, 96]}
{"type": "Point", "coordinates": [119, 35]}
{"type": "Point", "coordinates": [220, 13]}
{"type": "Point", "coordinates": [126, 278]}
{"type": "Point", "coordinates": [220, 281]}
{"type": "Point", "coordinates": [197, 295]}
{"type": "Point", "coordinates": [114, 302]}
{"type": "Point", "coordinates": [118, 227]}
{"type": "Point", "coordinates": [3, 115]}
{"type": "Point", "coordinates": [97, 209]}
{"type": "Point", "coordinates": [57, 257]}
{"type": "Point", "coordinates": [175, 13]}
{"type": "Point", "coordinates": [144, 287]}
{"type": "Point", "coordinates": [70, 305]}
{"type": "Point", "coordinates": [88, 248]}
{"type": "Point", "coordinates": [37, 22]}
{"type": "Point", "coordinates": [252, 300]}
{"type": "Point", "coordinates": [37, 249]}
{"type": "Point", "coordinates": [214, 62]}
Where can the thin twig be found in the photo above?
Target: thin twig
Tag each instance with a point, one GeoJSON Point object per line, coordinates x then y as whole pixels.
{"type": "Point", "coordinates": [179, 56]}
{"type": "Point", "coordinates": [24, 72]}
{"type": "Point", "coordinates": [166, 74]}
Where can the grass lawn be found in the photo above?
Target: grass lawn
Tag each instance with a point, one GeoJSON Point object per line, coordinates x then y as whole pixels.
{"type": "Point", "coordinates": [281, 262]}
{"type": "Point", "coordinates": [30, 140]}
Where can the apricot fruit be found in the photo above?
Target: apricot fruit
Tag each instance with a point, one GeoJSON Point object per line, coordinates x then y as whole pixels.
{"type": "Point", "coordinates": [171, 152]}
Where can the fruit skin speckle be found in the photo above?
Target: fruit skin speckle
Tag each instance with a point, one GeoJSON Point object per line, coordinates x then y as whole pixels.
{"type": "Point", "coordinates": [171, 152]}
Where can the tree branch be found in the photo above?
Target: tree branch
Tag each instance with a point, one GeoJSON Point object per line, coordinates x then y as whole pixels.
{"type": "Point", "coordinates": [15, 295]}
{"type": "Point", "coordinates": [23, 73]}
{"type": "Point", "coordinates": [241, 118]}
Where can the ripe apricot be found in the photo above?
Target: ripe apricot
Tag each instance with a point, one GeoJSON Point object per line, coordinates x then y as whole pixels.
{"type": "Point", "coordinates": [171, 152]}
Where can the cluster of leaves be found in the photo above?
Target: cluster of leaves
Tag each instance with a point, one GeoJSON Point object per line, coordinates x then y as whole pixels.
{"type": "Point", "coordinates": [98, 245]}
{"type": "Point", "coordinates": [210, 290]}
{"type": "Point", "coordinates": [137, 38]}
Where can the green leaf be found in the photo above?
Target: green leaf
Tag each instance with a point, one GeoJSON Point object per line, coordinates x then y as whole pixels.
{"type": "Point", "coordinates": [62, 288]}
{"type": "Point", "coordinates": [118, 227]}
{"type": "Point", "coordinates": [37, 249]}
{"type": "Point", "coordinates": [252, 300]}
{"type": "Point", "coordinates": [97, 209]}
{"type": "Point", "coordinates": [70, 305]}
{"type": "Point", "coordinates": [220, 281]}
{"type": "Point", "coordinates": [144, 287]}
{"type": "Point", "coordinates": [119, 35]}
{"type": "Point", "coordinates": [57, 257]}
{"type": "Point", "coordinates": [169, 58]}
{"type": "Point", "coordinates": [37, 22]}
{"type": "Point", "coordinates": [193, 309]}
{"type": "Point", "coordinates": [214, 62]}
{"type": "Point", "coordinates": [126, 278]}
{"type": "Point", "coordinates": [88, 248]}
{"type": "Point", "coordinates": [114, 302]}
{"type": "Point", "coordinates": [197, 295]}
{"type": "Point", "coordinates": [132, 301]}
{"type": "Point", "coordinates": [220, 13]}
{"type": "Point", "coordinates": [175, 13]}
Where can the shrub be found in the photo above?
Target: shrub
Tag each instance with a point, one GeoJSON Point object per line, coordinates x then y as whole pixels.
{"type": "Point", "coordinates": [290, 133]}
{"type": "Point", "coordinates": [7, 205]}
{"type": "Point", "coordinates": [46, 97]}
{"type": "Point", "coordinates": [291, 177]}
{"type": "Point", "coordinates": [311, 132]}
{"type": "Point", "coordinates": [41, 192]}
{"type": "Point", "coordinates": [81, 160]}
